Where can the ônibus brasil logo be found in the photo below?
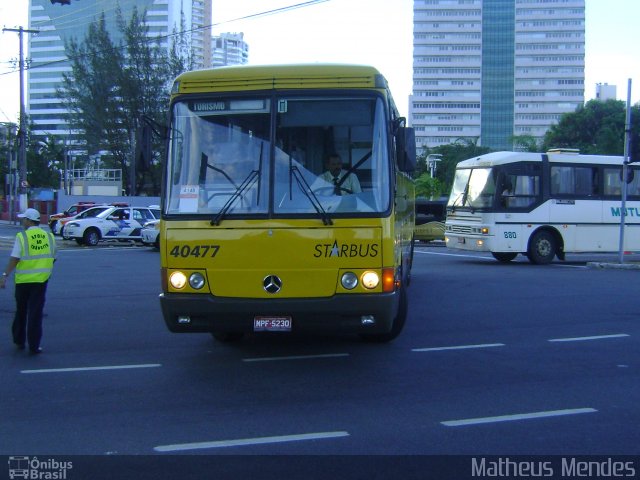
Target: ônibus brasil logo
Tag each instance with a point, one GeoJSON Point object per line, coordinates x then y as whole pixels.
{"type": "Point", "coordinates": [38, 469]}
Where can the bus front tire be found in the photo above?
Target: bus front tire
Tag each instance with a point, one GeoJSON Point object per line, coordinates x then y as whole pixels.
{"type": "Point", "coordinates": [542, 248]}
{"type": "Point", "coordinates": [398, 322]}
{"type": "Point", "coordinates": [504, 257]}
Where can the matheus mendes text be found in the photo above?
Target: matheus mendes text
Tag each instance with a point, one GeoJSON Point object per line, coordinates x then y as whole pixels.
{"type": "Point", "coordinates": [557, 468]}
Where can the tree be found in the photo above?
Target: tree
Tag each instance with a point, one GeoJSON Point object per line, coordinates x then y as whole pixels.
{"type": "Point", "coordinates": [452, 154]}
{"type": "Point", "coordinates": [144, 87]}
{"type": "Point", "coordinates": [111, 88]}
{"type": "Point", "coordinates": [90, 90]}
{"type": "Point", "coordinates": [525, 143]}
{"type": "Point", "coordinates": [45, 162]}
{"type": "Point", "coordinates": [596, 128]}
{"type": "Point", "coordinates": [428, 187]}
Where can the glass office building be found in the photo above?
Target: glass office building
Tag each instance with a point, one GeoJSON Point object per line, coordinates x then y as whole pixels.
{"type": "Point", "coordinates": [58, 23]}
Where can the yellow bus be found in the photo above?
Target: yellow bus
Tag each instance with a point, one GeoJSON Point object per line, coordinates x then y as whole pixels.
{"type": "Point", "coordinates": [255, 236]}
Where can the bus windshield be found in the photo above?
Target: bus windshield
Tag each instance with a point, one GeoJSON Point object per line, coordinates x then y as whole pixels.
{"type": "Point", "coordinates": [472, 188]}
{"type": "Point", "coordinates": [227, 159]}
{"type": "Point", "coordinates": [502, 187]}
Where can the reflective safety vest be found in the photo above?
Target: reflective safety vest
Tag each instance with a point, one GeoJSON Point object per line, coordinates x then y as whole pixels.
{"type": "Point", "coordinates": [37, 253]}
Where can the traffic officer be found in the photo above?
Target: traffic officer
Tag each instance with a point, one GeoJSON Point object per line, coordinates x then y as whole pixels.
{"type": "Point", "coordinates": [32, 257]}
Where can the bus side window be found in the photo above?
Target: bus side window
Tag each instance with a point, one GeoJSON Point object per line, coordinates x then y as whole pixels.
{"type": "Point", "coordinates": [633, 189]}
{"type": "Point", "coordinates": [612, 183]}
{"type": "Point", "coordinates": [570, 180]}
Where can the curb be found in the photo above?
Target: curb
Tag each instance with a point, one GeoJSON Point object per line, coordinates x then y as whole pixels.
{"type": "Point", "coordinates": [614, 266]}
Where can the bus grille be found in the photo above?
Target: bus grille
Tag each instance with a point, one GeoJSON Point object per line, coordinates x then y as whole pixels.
{"type": "Point", "coordinates": [461, 229]}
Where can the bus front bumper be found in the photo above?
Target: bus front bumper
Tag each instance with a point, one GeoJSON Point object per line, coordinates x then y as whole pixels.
{"type": "Point", "coordinates": [189, 313]}
{"type": "Point", "coordinates": [468, 242]}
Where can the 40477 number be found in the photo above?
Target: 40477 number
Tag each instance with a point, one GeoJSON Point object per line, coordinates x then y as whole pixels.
{"type": "Point", "coordinates": [198, 251]}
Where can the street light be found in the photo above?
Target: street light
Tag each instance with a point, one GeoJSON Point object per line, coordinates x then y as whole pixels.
{"type": "Point", "coordinates": [432, 163]}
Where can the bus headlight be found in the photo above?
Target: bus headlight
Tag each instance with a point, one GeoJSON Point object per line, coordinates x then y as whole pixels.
{"type": "Point", "coordinates": [370, 280]}
{"type": "Point", "coordinates": [349, 280]}
{"type": "Point", "coordinates": [196, 280]}
{"type": "Point", "coordinates": [178, 280]}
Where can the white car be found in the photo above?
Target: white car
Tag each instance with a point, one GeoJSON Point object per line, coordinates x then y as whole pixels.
{"type": "Point", "coordinates": [58, 226]}
{"type": "Point", "coordinates": [150, 233]}
{"type": "Point", "coordinates": [117, 223]}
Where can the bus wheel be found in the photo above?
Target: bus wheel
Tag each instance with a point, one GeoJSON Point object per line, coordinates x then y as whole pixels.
{"type": "Point", "coordinates": [398, 322]}
{"type": "Point", "coordinates": [504, 257]}
{"type": "Point", "coordinates": [542, 248]}
{"type": "Point", "coordinates": [227, 337]}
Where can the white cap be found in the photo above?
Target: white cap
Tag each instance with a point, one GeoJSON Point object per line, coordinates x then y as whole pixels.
{"type": "Point", "coordinates": [30, 213]}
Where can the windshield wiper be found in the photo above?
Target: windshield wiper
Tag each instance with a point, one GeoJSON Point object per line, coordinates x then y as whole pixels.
{"type": "Point", "coordinates": [306, 189]}
{"type": "Point", "coordinates": [246, 184]}
{"type": "Point", "coordinates": [250, 179]}
{"type": "Point", "coordinates": [462, 195]}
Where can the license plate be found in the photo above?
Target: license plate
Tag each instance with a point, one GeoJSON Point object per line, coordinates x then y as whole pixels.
{"type": "Point", "coordinates": [272, 324]}
{"type": "Point", "coordinates": [461, 240]}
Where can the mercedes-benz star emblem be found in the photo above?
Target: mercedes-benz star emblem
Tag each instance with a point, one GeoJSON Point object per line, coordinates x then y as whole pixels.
{"type": "Point", "coordinates": [272, 284]}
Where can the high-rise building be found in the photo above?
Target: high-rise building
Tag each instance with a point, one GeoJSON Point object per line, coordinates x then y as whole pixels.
{"type": "Point", "coordinates": [490, 70]}
{"type": "Point", "coordinates": [229, 49]}
{"type": "Point", "coordinates": [58, 23]}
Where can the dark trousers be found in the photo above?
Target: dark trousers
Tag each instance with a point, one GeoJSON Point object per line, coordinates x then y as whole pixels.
{"type": "Point", "coordinates": [27, 323]}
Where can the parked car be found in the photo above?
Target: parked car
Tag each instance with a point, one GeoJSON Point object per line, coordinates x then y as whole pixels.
{"type": "Point", "coordinates": [72, 211]}
{"type": "Point", "coordinates": [117, 223]}
{"type": "Point", "coordinates": [58, 227]}
{"type": "Point", "coordinates": [150, 233]}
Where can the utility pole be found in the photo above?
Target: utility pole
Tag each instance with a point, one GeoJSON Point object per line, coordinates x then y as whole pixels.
{"type": "Point", "coordinates": [625, 172]}
{"type": "Point", "coordinates": [22, 129]}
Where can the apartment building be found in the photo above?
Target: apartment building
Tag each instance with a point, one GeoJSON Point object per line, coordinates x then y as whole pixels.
{"type": "Point", "coordinates": [229, 49]}
{"type": "Point", "coordinates": [489, 70]}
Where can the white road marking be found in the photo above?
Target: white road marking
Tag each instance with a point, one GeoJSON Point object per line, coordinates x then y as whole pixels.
{"type": "Point", "coordinates": [249, 441]}
{"type": "Point", "coordinates": [295, 357]}
{"type": "Point", "coordinates": [89, 369]}
{"type": "Point", "coordinates": [521, 416]}
{"type": "Point", "coordinates": [583, 339]}
{"type": "Point", "coordinates": [458, 347]}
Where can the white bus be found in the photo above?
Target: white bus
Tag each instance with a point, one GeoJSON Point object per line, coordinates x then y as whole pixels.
{"type": "Point", "coordinates": [542, 205]}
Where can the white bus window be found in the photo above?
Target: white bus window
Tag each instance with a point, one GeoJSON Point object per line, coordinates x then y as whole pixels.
{"type": "Point", "coordinates": [633, 189]}
{"type": "Point", "coordinates": [575, 181]}
{"type": "Point", "coordinates": [613, 182]}
{"type": "Point", "coordinates": [519, 190]}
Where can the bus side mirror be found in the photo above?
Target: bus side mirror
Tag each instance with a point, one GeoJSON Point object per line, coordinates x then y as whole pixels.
{"type": "Point", "coordinates": [144, 141]}
{"type": "Point", "coordinates": [406, 149]}
{"type": "Point", "coordinates": [143, 153]}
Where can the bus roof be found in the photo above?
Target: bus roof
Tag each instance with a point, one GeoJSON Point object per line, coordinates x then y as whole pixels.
{"type": "Point", "coordinates": [502, 158]}
{"type": "Point", "coordinates": [269, 77]}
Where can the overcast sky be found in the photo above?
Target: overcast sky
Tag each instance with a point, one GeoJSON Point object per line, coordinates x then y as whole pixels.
{"type": "Point", "coordinates": [376, 32]}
